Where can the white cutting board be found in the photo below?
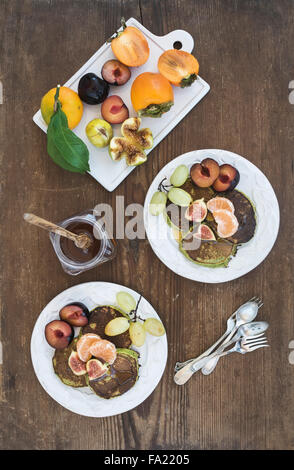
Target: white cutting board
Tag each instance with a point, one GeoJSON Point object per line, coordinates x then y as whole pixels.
{"type": "Point", "coordinates": [107, 172]}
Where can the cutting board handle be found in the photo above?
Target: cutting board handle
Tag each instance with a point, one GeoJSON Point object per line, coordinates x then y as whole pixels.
{"type": "Point", "coordinates": [167, 41]}
{"type": "Point", "coordinates": [178, 35]}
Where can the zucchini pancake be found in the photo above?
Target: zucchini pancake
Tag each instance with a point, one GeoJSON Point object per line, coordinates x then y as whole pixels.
{"type": "Point", "coordinates": [62, 369]}
{"type": "Point", "coordinates": [217, 251]}
{"type": "Point", "coordinates": [118, 377]}
{"type": "Point", "coordinates": [99, 317]}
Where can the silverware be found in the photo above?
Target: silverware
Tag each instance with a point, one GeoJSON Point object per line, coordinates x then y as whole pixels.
{"type": "Point", "coordinates": [245, 314]}
{"type": "Point", "coordinates": [254, 329]}
{"type": "Point", "coordinates": [230, 326]}
{"type": "Point", "coordinates": [246, 345]}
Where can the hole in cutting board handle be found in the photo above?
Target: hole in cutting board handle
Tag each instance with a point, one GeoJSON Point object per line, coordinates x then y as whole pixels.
{"type": "Point", "coordinates": [177, 45]}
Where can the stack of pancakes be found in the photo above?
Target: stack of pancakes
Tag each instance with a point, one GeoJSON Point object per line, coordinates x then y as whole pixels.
{"type": "Point", "coordinates": [219, 252]}
{"type": "Point", "coordinates": [121, 375]}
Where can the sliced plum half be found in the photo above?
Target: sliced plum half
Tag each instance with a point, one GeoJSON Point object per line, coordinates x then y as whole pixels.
{"type": "Point", "coordinates": [75, 314]}
{"type": "Point", "coordinates": [205, 173]}
{"type": "Point", "coordinates": [228, 178]}
{"type": "Point", "coordinates": [59, 334]}
{"type": "Point", "coordinates": [115, 73]}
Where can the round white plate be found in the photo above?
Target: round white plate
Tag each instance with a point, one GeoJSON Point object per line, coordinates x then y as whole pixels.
{"type": "Point", "coordinates": [153, 355]}
{"type": "Point", "coordinates": [254, 184]}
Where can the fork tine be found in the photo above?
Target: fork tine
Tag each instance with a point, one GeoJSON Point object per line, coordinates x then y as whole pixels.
{"type": "Point", "coordinates": [260, 304]}
{"type": "Point", "coordinates": [260, 346]}
{"type": "Point", "coordinates": [259, 341]}
{"type": "Point", "coordinates": [253, 338]}
{"type": "Point", "coordinates": [256, 338]}
{"type": "Point", "coordinates": [252, 345]}
{"type": "Point", "coordinates": [252, 299]}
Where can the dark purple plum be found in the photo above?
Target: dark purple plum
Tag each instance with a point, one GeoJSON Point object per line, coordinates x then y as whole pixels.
{"type": "Point", "coordinates": [92, 89]}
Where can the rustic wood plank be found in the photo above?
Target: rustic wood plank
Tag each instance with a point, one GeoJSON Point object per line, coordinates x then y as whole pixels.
{"type": "Point", "coordinates": [244, 50]}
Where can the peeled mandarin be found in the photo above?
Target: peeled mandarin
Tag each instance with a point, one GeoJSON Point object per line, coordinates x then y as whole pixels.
{"type": "Point", "coordinates": [227, 223]}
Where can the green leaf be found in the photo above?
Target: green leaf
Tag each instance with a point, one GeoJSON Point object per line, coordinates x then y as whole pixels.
{"type": "Point", "coordinates": [64, 147]}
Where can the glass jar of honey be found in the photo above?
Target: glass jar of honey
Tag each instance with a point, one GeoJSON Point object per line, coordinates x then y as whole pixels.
{"type": "Point", "coordinates": [75, 260]}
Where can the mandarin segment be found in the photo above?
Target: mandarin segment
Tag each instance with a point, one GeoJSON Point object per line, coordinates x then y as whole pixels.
{"type": "Point", "coordinates": [103, 349]}
{"type": "Point", "coordinates": [218, 203]}
{"type": "Point", "coordinates": [227, 223]}
{"type": "Point", "coordinates": [84, 344]}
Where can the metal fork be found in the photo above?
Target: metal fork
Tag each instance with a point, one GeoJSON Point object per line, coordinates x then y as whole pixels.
{"type": "Point", "coordinates": [225, 337]}
{"type": "Point", "coordinates": [184, 374]}
{"type": "Point", "coordinates": [244, 346]}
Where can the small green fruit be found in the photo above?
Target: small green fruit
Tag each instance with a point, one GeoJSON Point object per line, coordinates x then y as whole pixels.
{"type": "Point", "coordinates": [99, 132]}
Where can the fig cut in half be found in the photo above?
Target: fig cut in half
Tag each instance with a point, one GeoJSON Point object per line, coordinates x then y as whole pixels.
{"type": "Point", "coordinates": [204, 232]}
{"type": "Point", "coordinates": [197, 211]}
{"type": "Point", "coordinates": [132, 144]}
{"type": "Point", "coordinates": [120, 147]}
{"type": "Point", "coordinates": [77, 366]}
{"type": "Point", "coordinates": [96, 369]}
{"type": "Point", "coordinates": [130, 129]}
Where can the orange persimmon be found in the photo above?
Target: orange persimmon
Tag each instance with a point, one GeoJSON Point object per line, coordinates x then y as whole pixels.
{"type": "Point", "coordinates": [151, 94]}
{"type": "Point", "coordinates": [179, 67]}
{"type": "Point", "coordinates": [130, 46]}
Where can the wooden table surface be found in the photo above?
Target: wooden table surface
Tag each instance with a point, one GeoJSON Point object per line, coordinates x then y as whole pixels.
{"type": "Point", "coordinates": [245, 50]}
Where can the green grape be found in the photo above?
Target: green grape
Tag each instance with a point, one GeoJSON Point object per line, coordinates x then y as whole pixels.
{"type": "Point", "coordinates": [179, 197]}
{"type": "Point", "coordinates": [157, 203]}
{"type": "Point", "coordinates": [179, 175]}
{"type": "Point", "coordinates": [137, 333]}
{"type": "Point", "coordinates": [117, 326]}
{"type": "Point", "coordinates": [125, 301]}
{"type": "Point", "coordinates": [154, 327]}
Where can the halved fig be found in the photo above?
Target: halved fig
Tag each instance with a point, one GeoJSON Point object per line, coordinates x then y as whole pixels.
{"type": "Point", "coordinates": [77, 366]}
{"type": "Point", "coordinates": [142, 138]}
{"type": "Point", "coordinates": [115, 73]}
{"type": "Point", "coordinates": [121, 147]}
{"type": "Point", "coordinates": [197, 211]}
{"type": "Point", "coordinates": [228, 178]}
{"type": "Point", "coordinates": [114, 110]}
{"type": "Point", "coordinates": [205, 173]}
{"type": "Point", "coordinates": [75, 314]}
{"type": "Point", "coordinates": [204, 233]}
{"type": "Point", "coordinates": [58, 334]}
{"type": "Point", "coordinates": [96, 369]}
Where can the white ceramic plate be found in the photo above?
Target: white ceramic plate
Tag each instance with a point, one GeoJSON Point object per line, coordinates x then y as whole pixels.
{"type": "Point", "coordinates": [255, 185]}
{"type": "Point", "coordinates": [153, 354]}
{"type": "Point", "coordinates": [107, 172]}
